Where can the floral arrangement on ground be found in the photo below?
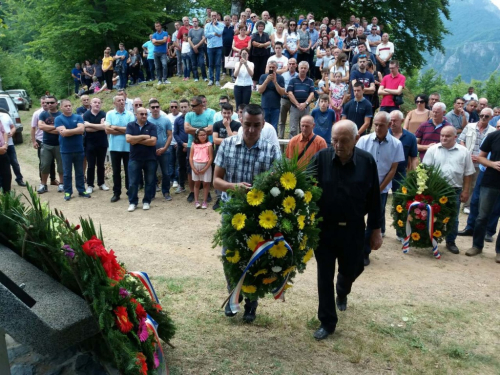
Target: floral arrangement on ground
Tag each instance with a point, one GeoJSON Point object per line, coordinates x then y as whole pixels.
{"type": "Point", "coordinates": [131, 320]}
{"type": "Point", "coordinates": [428, 203]}
{"type": "Point", "coordinates": [270, 231]}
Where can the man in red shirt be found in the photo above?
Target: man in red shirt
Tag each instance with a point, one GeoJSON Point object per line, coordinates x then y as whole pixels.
{"type": "Point", "coordinates": [184, 29]}
{"type": "Point", "coordinates": [392, 84]}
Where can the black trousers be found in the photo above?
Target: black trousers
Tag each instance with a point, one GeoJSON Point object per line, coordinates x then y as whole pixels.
{"type": "Point", "coordinates": [343, 244]}
{"type": "Point", "coordinates": [183, 160]}
{"type": "Point", "coordinates": [5, 173]}
{"type": "Point", "coordinates": [108, 76]}
{"type": "Point", "coordinates": [116, 164]}
{"type": "Point", "coordinates": [96, 156]}
{"type": "Point", "coordinates": [52, 172]}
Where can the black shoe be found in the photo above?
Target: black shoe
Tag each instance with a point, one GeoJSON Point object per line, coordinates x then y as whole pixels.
{"type": "Point", "coordinates": [321, 334]}
{"type": "Point", "coordinates": [452, 247]}
{"type": "Point", "coordinates": [227, 309]}
{"type": "Point", "coordinates": [21, 183]}
{"type": "Point", "coordinates": [115, 198]}
{"type": "Point", "coordinates": [366, 261]}
{"type": "Point", "coordinates": [466, 232]}
{"type": "Point", "coordinates": [209, 198]}
{"type": "Point", "coordinates": [341, 303]}
{"type": "Point", "coordinates": [250, 311]}
{"type": "Point", "coordinates": [190, 197]}
{"type": "Point", "coordinates": [217, 204]}
{"type": "Point", "coordinates": [84, 195]}
{"type": "Point", "coordinates": [488, 238]}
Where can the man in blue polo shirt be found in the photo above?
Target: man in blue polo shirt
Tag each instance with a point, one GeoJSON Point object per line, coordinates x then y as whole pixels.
{"type": "Point", "coordinates": [300, 91]}
{"type": "Point", "coordinates": [358, 109]}
{"type": "Point", "coordinates": [159, 40]}
{"type": "Point", "coordinates": [71, 128]}
{"type": "Point", "coordinates": [142, 136]}
{"type": "Point", "coordinates": [119, 150]}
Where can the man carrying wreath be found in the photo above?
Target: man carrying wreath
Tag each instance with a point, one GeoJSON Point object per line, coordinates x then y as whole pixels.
{"type": "Point", "coordinates": [239, 159]}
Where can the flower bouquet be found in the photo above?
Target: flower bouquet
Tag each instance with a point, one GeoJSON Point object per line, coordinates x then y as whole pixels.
{"type": "Point", "coordinates": [269, 232]}
{"type": "Point", "coordinates": [425, 208]}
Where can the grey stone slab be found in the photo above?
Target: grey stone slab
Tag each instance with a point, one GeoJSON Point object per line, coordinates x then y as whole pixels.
{"type": "Point", "coordinates": [58, 320]}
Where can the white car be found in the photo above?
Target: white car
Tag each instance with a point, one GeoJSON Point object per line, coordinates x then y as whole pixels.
{"type": "Point", "coordinates": [20, 97]}
{"type": "Point", "coordinates": [7, 106]}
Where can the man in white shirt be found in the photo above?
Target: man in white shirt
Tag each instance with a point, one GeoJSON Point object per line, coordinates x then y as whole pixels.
{"type": "Point", "coordinates": [384, 53]}
{"type": "Point", "coordinates": [268, 132]}
{"type": "Point", "coordinates": [470, 95]}
{"type": "Point", "coordinates": [10, 130]}
{"type": "Point", "coordinates": [129, 103]}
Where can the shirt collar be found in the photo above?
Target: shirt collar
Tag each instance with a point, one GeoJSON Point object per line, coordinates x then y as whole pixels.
{"type": "Point", "coordinates": [374, 136]}
{"type": "Point", "coordinates": [352, 159]}
{"type": "Point", "coordinates": [239, 142]}
{"type": "Point", "coordinates": [304, 139]}
{"type": "Point", "coordinates": [455, 147]}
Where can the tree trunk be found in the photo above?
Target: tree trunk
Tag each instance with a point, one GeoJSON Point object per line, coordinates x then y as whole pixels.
{"type": "Point", "coordinates": [237, 6]}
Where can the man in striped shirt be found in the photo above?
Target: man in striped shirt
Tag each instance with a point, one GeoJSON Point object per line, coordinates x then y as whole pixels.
{"type": "Point", "coordinates": [429, 132]}
{"type": "Point", "coordinates": [300, 91]}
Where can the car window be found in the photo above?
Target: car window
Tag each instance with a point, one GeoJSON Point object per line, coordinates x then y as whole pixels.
{"type": "Point", "coordinates": [14, 92]}
{"type": "Point", "coordinates": [4, 104]}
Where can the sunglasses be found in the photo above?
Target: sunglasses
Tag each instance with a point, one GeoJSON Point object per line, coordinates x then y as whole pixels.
{"type": "Point", "coordinates": [173, 106]}
{"type": "Point", "coordinates": [419, 101]}
{"type": "Point", "coordinates": [292, 24]}
{"type": "Point", "coordinates": [155, 106]}
{"type": "Point", "coordinates": [222, 103]}
{"type": "Point", "coordinates": [194, 105]}
{"type": "Point", "coordinates": [484, 116]}
{"type": "Point", "coordinates": [142, 114]}
{"type": "Point", "coordinates": [50, 102]}
{"type": "Point", "coordinates": [137, 105]}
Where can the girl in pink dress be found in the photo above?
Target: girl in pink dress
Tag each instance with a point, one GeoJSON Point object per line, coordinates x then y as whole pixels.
{"type": "Point", "coordinates": [200, 158]}
{"type": "Point", "coordinates": [337, 93]}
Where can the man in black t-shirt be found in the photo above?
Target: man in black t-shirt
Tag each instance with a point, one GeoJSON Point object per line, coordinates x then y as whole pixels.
{"type": "Point", "coordinates": [358, 109]}
{"type": "Point", "coordinates": [490, 192]}
{"type": "Point", "coordinates": [96, 144]}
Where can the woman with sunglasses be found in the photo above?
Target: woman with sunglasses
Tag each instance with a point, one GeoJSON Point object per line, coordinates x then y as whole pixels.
{"type": "Point", "coordinates": [341, 38]}
{"type": "Point", "coordinates": [350, 43]}
{"type": "Point", "coordinates": [341, 65]}
{"type": "Point", "coordinates": [419, 115]}
{"type": "Point", "coordinates": [291, 39]}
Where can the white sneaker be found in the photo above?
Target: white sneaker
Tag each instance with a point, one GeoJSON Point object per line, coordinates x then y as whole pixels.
{"type": "Point", "coordinates": [466, 211]}
{"type": "Point", "coordinates": [158, 188]}
{"type": "Point", "coordinates": [217, 83]}
{"type": "Point", "coordinates": [104, 187]}
{"type": "Point", "coordinates": [176, 184]}
{"type": "Point", "coordinates": [166, 81]}
{"type": "Point", "coordinates": [60, 188]}
{"type": "Point", "coordinates": [210, 83]}
{"type": "Point", "coordinates": [89, 190]}
{"type": "Point", "coordinates": [131, 207]}
{"type": "Point", "coordinates": [159, 81]}
{"type": "Point", "coordinates": [196, 79]}
{"type": "Point", "coordinates": [146, 206]}
{"type": "Point", "coordinates": [205, 79]}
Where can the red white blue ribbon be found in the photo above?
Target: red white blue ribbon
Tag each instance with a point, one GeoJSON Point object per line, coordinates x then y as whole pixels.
{"type": "Point", "coordinates": [430, 228]}
{"type": "Point", "coordinates": [262, 248]}
{"type": "Point", "coordinates": [144, 278]}
{"type": "Point", "coordinates": [162, 369]}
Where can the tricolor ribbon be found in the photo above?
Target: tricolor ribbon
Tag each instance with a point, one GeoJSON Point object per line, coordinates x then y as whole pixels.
{"type": "Point", "coordinates": [430, 228]}
{"type": "Point", "coordinates": [262, 248]}
{"type": "Point", "coordinates": [144, 278]}
{"type": "Point", "coordinates": [153, 326]}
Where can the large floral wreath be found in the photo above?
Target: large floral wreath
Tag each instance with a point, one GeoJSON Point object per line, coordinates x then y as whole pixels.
{"type": "Point", "coordinates": [270, 231]}
{"type": "Point", "coordinates": [424, 207]}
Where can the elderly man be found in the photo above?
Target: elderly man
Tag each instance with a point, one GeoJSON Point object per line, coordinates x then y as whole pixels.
{"type": "Point", "coordinates": [434, 98]}
{"type": "Point", "coordinates": [213, 33]}
{"type": "Point", "coordinates": [482, 104]}
{"type": "Point", "coordinates": [349, 175]}
{"type": "Point", "coordinates": [236, 166]}
{"type": "Point", "coordinates": [391, 85]}
{"type": "Point", "coordinates": [388, 153]}
{"type": "Point", "coordinates": [489, 156]}
{"type": "Point", "coordinates": [458, 117]}
{"type": "Point", "coordinates": [85, 105]}
{"type": "Point", "coordinates": [456, 166]}
{"type": "Point", "coordinates": [300, 92]}
{"type": "Point", "coordinates": [429, 132]}
{"type": "Point", "coordinates": [268, 28]}
{"type": "Point", "coordinates": [306, 144]}
{"type": "Point", "coordinates": [472, 137]}
{"type": "Point", "coordinates": [272, 88]}
{"type": "Point", "coordinates": [286, 104]}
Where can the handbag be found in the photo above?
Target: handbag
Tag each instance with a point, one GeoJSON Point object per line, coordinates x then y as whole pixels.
{"type": "Point", "coordinates": [230, 61]}
{"type": "Point", "coordinates": [398, 100]}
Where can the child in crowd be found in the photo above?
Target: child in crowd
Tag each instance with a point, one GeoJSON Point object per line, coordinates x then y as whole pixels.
{"type": "Point", "coordinates": [200, 159]}
{"type": "Point", "coordinates": [185, 55]}
{"type": "Point", "coordinates": [338, 92]}
{"type": "Point", "coordinates": [325, 62]}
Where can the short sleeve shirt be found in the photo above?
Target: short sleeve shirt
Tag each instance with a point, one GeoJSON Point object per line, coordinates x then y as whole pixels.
{"type": "Point", "coordinates": [163, 125]}
{"type": "Point", "coordinates": [357, 111]}
{"type": "Point", "coordinates": [428, 133]}
{"type": "Point", "coordinates": [323, 123]}
{"type": "Point", "coordinates": [48, 118]}
{"type": "Point", "coordinates": [142, 152]}
{"type": "Point", "coordinates": [72, 143]}
{"type": "Point", "coordinates": [7, 122]}
{"type": "Point", "coordinates": [301, 89]}
{"type": "Point", "coordinates": [98, 138]}
{"type": "Point", "coordinates": [159, 36]}
{"type": "Point", "coordinates": [2, 136]}
{"type": "Point", "coordinates": [118, 142]}
{"type": "Point", "coordinates": [409, 142]}
{"type": "Point", "coordinates": [491, 144]}
{"type": "Point", "coordinates": [390, 82]}
{"type": "Point", "coordinates": [199, 121]}
{"type": "Point", "coordinates": [271, 99]}
{"type": "Point", "coordinates": [221, 131]}
{"type": "Point", "coordinates": [365, 78]}
{"type": "Point", "coordinates": [151, 49]}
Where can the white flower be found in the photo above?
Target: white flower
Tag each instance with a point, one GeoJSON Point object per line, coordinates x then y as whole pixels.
{"type": "Point", "coordinates": [275, 192]}
{"type": "Point", "coordinates": [299, 193]}
{"type": "Point", "coordinates": [276, 269]}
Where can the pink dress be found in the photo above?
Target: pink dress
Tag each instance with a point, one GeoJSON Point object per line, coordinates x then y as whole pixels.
{"type": "Point", "coordinates": [337, 94]}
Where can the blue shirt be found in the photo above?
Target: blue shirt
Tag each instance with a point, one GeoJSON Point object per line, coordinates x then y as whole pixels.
{"type": "Point", "coordinates": [81, 110]}
{"type": "Point", "coordinates": [365, 78]}
{"type": "Point", "coordinates": [301, 89]}
{"type": "Point", "coordinates": [180, 134]}
{"type": "Point", "coordinates": [163, 124]}
{"type": "Point", "coordinates": [142, 152]}
{"type": "Point", "coordinates": [118, 142]}
{"type": "Point", "coordinates": [357, 111]}
{"type": "Point", "coordinates": [161, 48]}
{"type": "Point", "coordinates": [151, 49]}
{"type": "Point", "coordinates": [271, 99]}
{"type": "Point", "coordinates": [323, 123]}
{"type": "Point", "coordinates": [409, 142]}
{"type": "Point", "coordinates": [493, 121]}
{"type": "Point", "coordinates": [72, 143]}
{"type": "Point", "coordinates": [77, 73]}
{"type": "Point", "coordinates": [288, 77]}
{"type": "Point", "coordinates": [48, 118]}
{"type": "Point", "coordinates": [122, 53]}
{"type": "Point", "coordinates": [228, 36]}
{"type": "Point", "coordinates": [199, 121]}
{"type": "Point", "coordinates": [214, 41]}
{"type": "Point", "coordinates": [314, 36]}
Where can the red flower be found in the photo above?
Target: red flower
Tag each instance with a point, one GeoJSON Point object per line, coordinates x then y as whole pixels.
{"type": "Point", "coordinates": [141, 361]}
{"type": "Point", "coordinates": [429, 198]}
{"type": "Point", "coordinates": [94, 247]}
{"type": "Point", "coordinates": [122, 320]}
{"type": "Point", "coordinates": [420, 226]}
{"type": "Point", "coordinates": [419, 197]}
{"type": "Point", "coordinates": [139, 309]}
{"type": "Point", "coordinates": [408, 204]}
{"type": "Point", "coordinates": [111, 266]}
{"type": "Point", "coordinates": [157, 307]}
{"type": "Point", "coordinates": [436, 208]}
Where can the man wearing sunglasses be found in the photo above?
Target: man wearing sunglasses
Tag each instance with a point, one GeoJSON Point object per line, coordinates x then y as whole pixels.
{"type": "Point", "coordinates": [173, 114]}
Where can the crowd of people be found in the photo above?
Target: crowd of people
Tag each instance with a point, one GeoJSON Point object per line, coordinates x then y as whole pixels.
{"type": "Point", "coordinates": [360, 89]}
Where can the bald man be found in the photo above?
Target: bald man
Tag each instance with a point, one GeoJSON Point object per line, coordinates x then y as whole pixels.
{"type": "Point", "coordinates": [306, 144]}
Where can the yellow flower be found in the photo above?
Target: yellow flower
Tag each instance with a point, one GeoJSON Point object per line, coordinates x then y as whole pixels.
{"type": "Point", "coordinates": [269, 280]}
{"type": "Point", "coordinates": [268, 219]}
{"type": "Point", "coordinates": [238, 221]}
{"type": "Point", "coordinates": [288, 204]}
{"type": "Point", "coordinates": [437, 233]}
{"type": "Point", "coordinates": [279, 250]}
{"type": "Point", "coordinates": [307, 196]}
{"type": "Point", "coordinates": [288, 180]}
{"type": "Point", "coordinates": [399, 208]}
{"type": "Point", "coordinates": [260, 272]}
{"type": "Point", "coordinates": [415, 236]}
{"type": "Point", "coordinates": [312, 217]}
{"type": "Point", "coordinates": [404, 190]}
{"type": "Point", "coordinates": [233, 259]}
{"type": "Point", "coordinates": [249, 289]}
{"type": "Point", "coordinates": [303, 243]}
{"type": "Point", "coordinates": [443, 200]}
{"type": "Point", "coordinates": [254, 240]}
{"type": "Point", "coordinates": [446, 219]}
{"type": "Point", "coordinates": [400, 223]}
{"type": "Point", "coordinates": [300, 220]}
{"type": "Point", "coordinates": [308, 256]}
{"type": "Point", "coordinates": [255, 197]}
{"type": "Point", "coordinates": [288, 286]}
{"type": "Point", "coordinates": [288, 270]}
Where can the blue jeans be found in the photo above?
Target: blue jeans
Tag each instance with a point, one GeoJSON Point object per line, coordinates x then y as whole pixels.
{"type": "Point", "coordinates": [11, 151]}
{"type": "Point", "coordinates": [151, 64]}
{"type": "Point", "coordinates": [73, 160]}
{"type": "Point", "coordinates": [452, 236]}
{"type": "Point", "coordinates": [214, 59]}
{"type": "Point", "coordinates": [491, 226]}
{"type": "Point", "coordinates": [161, 65]}
{"type": "Point", "coordinates": [135, 169]}
{"type": "Point", "coordinates": [186, 61]}
{"type": "Point", "coordinates": [287, 54]}
{"type": "Point", "coordinates": [123, 76]}
{"type": "Point", "coordinates": [163, 162]}
{"type": "Point", "coordinates": [198, 60]}
{"type": "Point", "coordinates": [77, 86]}
{"type": "Point", "coordinates": [368, 231]}
{"type": "Point", "coordinates": [173, 173]}
{"type": "Point", "coordinates": [272, 115]}
{"type": "Point", "coordinates": [487, 201]}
